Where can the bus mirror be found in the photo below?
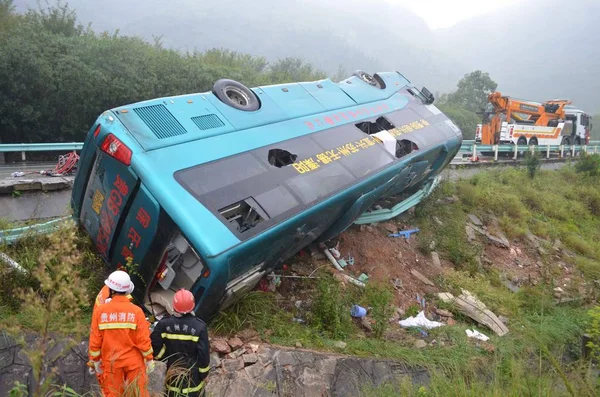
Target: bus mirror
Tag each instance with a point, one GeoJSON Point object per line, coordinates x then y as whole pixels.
{"type": "Point", "coordinates": [429, 98]}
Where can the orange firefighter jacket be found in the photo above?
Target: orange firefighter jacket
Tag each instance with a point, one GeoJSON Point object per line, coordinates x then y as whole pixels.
{"type": "Point", "coordinates": [120, 334]}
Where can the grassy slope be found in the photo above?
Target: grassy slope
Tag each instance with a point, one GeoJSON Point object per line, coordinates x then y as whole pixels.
{"type": "Point", "coordinates": [554, 205]}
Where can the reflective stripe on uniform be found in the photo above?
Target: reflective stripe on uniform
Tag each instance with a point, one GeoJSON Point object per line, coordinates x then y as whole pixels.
{"type": "Point", "coordinates": [204, 370]}
{"type": "Point", "coordinates": [117, 326]}
{"type": "Point", "coordinates": [180, 337]}
{"type": "Point", "coordinates": [147, 353]}
{"type": "Point", "coordinates": [187, 390]}
{"type": "Point", "coordinates": [94, 353]}
{"type": "Point", "coordinates": [161, 352]}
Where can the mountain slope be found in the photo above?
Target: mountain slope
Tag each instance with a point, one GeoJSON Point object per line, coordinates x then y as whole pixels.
{"type": "Point", "coordinates": [540, 50]}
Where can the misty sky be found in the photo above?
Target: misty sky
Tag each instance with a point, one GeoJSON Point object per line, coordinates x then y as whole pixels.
{"type": "Point", "coordinates": [445, 13]}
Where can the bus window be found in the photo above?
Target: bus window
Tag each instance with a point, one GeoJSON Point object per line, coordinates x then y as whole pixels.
{"type": "Point", "coordinates": [281, 158]}
{"type": "Point", "coordinates": [244, 214]}
{"type": "Point", "coordinates": [404, 147]}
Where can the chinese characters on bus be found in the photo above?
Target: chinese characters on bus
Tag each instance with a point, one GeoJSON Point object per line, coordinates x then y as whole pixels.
{"type": "Point", "coordinates": [310, 164]}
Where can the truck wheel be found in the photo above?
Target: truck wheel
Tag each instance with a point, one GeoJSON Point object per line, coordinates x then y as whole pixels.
{"type": "Point", "coordinates": [375, 80]}
{"type": "Point", "coordinates": [236, 95]}
{"type": "Point", "coordinates": [533, 141]}
{"type": "Point", "coordinates": [522, 141]}
{"type": "Point", "coordinates": [566, 141]}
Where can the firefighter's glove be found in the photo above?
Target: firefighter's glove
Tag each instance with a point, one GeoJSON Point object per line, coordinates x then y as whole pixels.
{"type": "Point", "coordinates": [150, 366]}
{"type": "Point", "coordinates": [95, 367]}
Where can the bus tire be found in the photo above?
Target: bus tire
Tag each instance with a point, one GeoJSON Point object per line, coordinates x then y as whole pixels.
{"type": "Point", "coordinates": [375, 80]}
{"type": "Point", "coordinates": [236, 95]}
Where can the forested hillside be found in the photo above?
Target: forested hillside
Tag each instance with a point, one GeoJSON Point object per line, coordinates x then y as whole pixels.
{"type": "Point", "coordinates": [57, 76]}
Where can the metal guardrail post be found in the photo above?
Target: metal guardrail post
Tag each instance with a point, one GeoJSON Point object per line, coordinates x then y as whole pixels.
{"type": "Point", "coordinates": [496, 152]}
{"type": "Point", "coordinates": [23, 157]}
{"type": "Point", "coordinates": [562, 151]}
{"type": "Point", "coordinates": [547, 151]}
{"type": "Point", "coordinates": [585, 149]}
{"type": "Point", "coordinates": [532, 149]}
{"type": "Point", "coordinates": [516, 151]}
{"type": "Point", "coordinates": [474, 150]}
{"type": "Point", "coordinates": [572, 150]}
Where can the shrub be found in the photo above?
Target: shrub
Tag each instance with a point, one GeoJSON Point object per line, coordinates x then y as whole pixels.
{"type": "Point", "coordinates": [589, 164]}
{"type": "Point", "coordinates": [379, 298]}
{"type": "Point", "coordinates": [331, 309]}
{"type": "Point", "coordinates": [532, 163]}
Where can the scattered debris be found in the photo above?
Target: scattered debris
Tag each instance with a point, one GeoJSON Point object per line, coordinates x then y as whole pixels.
{"type": "Point", "coordinates": [468, 304]}
{"type": "Point", "coordinates": [437, 220]}
{"type": "Point", "coordinates": [503, 319]}
{"type": "Point", "coordinates": [444, 313]}
{"type": "Point", "coordinates": [358, 311]}
{"type": "Point", "coordinates": [404, 233]}
{"type": "Point", "coordinates": [12, 263]}
{"type": "Point", "coordinates": [419, 321]}
{"type": "Point", "coordinates": [432, 245]}
{"type": "Point", "coordinates": [363, 278]}
{"type": "Point", "coordinates": [422, 278]}
{"type": "Point", "coordinates": [332, 259]}
{"type": "Point", "coordinates": [298, 345]}
{"type": "Point", "coordinates": [501, 241]}
{"type": "Point", "coordinates": [420, 343]}
{"type": "Point", "coordinates": [366, 324]}
{"type": "Point", "coordinates": [476, 334]}
{"type": "Point", "coordinates": [474, 220]}
{"type": "Point", "coordinates": [435, 258]}
{"type": "Point", "coordinates": [340, 345]}
{"type": "Point", "coordinates": [397, 283]}
{"type": "Point", "coordinates": [470, 233]}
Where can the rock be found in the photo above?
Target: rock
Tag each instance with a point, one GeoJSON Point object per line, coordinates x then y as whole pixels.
{"type": "Point", "coordinates": [366, 324]}
{"type": "Point", "coordinates": [249, 335]}
{"type": "Point", "coordinates": [401, 312]}
{"type": "Point", "coordinates": [254, 371]}
{"type": "Point", "coordinates": [390, 227]}
{"type": "Point", "coordinates": [474, 220]}
{"type": "Point", "coordinates": [236, 353]}
{"type": "Point", "coordinates": [435, 258]}
{"type": "Point", "coordinates": [488, 347]}
{"type": "Point", "coordinates": [250, 358]}
{"type": "Point", "coordinates": [444, 313]}
{"type": "Point", "coordinates": [432, 245]}
{"type": "Point", "coordinates": [542, 251]}
{"type": "Point", "coordinates": [298, 345]}
{"type": "Point", "coordinates": [235, 343]}
{"type": "Point", "coordinates": [232, 365]}
{"type": "Point", "coordinates": [220, 346]}
{"type": "Point", "coordinates": [451, 322]}
{"type": "Point", "coordinates": [470, 233]}
{"type": "Point", "coordinates": [215, 361]}
{"type": "Point", "coordinates": [436, 220]}
{"type": "Point", "coordinates": [369, 229]}
{"type": "Point", "coordinates": [340, 345]}
{"type": "Point", "coordinates": [419, 344]}
{"type": "Point", "coordinates": [558, 290]}
{"type": "Point", "coordinates": [557, 245]}
{"type": "Point", "coordinates": [422, 278]}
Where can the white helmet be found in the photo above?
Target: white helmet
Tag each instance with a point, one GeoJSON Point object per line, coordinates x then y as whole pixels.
{"type": "Point", "coordinates": [119, 281]}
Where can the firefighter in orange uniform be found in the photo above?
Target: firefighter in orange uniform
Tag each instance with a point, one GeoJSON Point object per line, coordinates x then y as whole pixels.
{"type": "Point", "coordinates": [120, 349]}
{"type": "Point", "coordinates": [102, 298]}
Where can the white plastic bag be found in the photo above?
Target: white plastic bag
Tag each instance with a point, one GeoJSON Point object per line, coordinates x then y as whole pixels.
{"type": "Point", "coordinates": [419, 321]}
{"type": "Point", "coordinates": [476, 334]}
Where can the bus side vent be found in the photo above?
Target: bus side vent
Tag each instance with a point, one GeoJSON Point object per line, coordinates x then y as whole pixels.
{"type": "Point", "coordinates": [208, 122]}
{"type": "Point", "coordinates": [160, 121]}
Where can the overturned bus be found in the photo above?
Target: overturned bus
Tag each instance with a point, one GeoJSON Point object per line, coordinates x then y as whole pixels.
{"type": "Point", "coordinates": [212, 191]}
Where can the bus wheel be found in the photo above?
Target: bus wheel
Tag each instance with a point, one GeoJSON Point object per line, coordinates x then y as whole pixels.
{"type": "Point", "coordinates": [236, 95]}
{"type": "Point", "coordinates": [375, 80]}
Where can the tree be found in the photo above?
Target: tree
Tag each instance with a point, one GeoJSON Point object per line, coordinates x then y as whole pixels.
{"type": "Point", "coordinates": [473, 90]}
{"type": "Point", "coordinates": [464, 119]}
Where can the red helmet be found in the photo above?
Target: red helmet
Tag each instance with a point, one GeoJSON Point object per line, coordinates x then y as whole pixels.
{"type": "Point", "coordinates": [183, 301]}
